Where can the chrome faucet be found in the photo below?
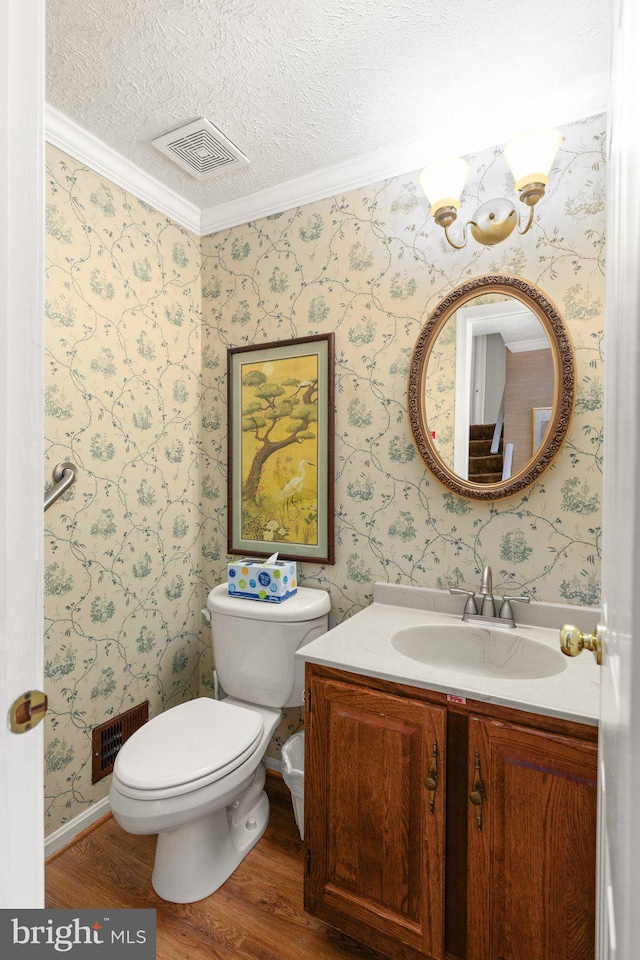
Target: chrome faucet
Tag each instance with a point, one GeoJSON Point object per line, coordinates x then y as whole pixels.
{"type": "Point", "coordinates": [487, 612]}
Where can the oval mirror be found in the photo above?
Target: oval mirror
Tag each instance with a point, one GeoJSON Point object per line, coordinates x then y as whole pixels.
{"type": "Point", "coordinates": [491, 387]}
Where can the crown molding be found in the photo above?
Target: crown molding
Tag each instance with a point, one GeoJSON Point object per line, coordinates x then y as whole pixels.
{"type": "Point", "coordinates": [68, 136]}
{"type": "Point", "coordinates": [575, 101]}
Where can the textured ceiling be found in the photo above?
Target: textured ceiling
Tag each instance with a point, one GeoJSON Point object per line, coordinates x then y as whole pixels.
{"type": "Point", "coordinates": [299, 85]}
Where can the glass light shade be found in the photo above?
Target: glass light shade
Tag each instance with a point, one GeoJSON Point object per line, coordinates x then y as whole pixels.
{"type": "Point", "coordinates": [530, 155]}
{"type": "Point", "coordinates": [443, 182]}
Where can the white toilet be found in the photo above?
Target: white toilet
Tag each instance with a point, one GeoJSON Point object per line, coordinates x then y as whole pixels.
{"type": "Point", "coordinates": [194, 774]}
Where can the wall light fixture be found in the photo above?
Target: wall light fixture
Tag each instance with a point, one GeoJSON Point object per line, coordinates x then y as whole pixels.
{"type": "Point", "coordinates": [530, 157]}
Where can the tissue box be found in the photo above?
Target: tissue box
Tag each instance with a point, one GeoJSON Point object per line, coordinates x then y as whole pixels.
{"type": "Point", "coordinates": [262, 580]}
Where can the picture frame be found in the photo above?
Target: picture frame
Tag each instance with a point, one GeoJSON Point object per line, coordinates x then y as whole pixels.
{"type": "Point", "coordinates": [280, 446]}
{"type": "Point", "coordinates": [540, 420]}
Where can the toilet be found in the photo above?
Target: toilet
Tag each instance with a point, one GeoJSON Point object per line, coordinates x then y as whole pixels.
{"type": "Point", "coordinates": [194, 774]}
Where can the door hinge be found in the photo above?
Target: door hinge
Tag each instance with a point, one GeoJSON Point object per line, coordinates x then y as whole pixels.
{"type": "Point", "coordinates": [308, 700]}
{"type": "Point", "coordinates": [308, 861]}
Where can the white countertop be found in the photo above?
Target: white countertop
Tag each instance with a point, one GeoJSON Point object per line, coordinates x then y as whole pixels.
{"type": "Point", "coordinates": [362, 645]}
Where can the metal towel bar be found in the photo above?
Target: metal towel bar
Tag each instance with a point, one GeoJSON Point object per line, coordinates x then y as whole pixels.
{"type": "Point", "coordinates": [64, 474]}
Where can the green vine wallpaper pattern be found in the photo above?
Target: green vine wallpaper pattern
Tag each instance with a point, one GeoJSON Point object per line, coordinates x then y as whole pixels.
{"type": "Point", "coordinates": [123, 585]}
{"type": "Point", "coordinates": [139, 314]}
{"type": "Point", "coordinates": [371, 265]}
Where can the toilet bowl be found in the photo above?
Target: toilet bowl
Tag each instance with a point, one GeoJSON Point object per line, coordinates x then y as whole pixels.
{"type": "Point", "coordinates": [207, 823]}
{"type": "Point", "coordinates": [194, 774]}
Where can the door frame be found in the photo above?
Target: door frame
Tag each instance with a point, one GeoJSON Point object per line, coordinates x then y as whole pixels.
{"type": "Point", "coordinates": [473, 323]}
{"type": "Point", "coordinates": [22, 28]}
{"type": "Point", "coordinates": [619, 761]}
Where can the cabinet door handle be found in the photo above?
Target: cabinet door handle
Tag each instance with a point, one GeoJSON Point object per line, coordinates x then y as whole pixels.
{"type": "Point", "coordinates": [478, 793]}
{"type": "Point", "coordinates": [431, 781]}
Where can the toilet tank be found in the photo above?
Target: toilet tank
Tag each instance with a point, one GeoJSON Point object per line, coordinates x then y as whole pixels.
{"type": "Point", "coordinates": [254, 643]}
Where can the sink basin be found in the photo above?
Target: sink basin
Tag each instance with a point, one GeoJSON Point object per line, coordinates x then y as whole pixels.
{"type": "Point", "coordinates": [502, 654]}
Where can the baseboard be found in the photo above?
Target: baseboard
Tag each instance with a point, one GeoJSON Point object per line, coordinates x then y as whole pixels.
{"type": "Point", "coordinates": [68, 832]}
{"type": "Point", "coordinates": [274, 767]}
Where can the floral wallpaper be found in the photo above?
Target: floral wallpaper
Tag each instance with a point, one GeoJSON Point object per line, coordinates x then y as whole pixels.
{"type": "Point", "coordinates": [371, 265]}
{"type": "Point", "coordinates": [123, 585]}
{"type": "Point", "coordinates": [139, 315]}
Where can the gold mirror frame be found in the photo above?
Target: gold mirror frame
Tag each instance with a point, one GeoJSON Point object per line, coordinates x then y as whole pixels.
{"type": "Point", "coordinates": [564, 390]}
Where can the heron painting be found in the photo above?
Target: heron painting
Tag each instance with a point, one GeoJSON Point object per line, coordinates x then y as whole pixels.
{"type": "Point", "coordinates": [296, 484]}
{"type": "Point", "coordinates": [280, 448]}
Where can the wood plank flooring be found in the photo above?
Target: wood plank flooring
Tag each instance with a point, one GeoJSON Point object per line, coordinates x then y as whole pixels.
{"type": "Point", "coordinates": [256, 915]}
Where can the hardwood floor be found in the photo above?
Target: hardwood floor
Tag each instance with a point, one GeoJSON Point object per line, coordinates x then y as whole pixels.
{"type": "Point", "coordinates": [256, 915]}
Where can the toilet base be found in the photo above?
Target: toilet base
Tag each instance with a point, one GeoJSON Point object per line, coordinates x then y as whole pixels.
{"type": "Point", "coordinates": [194, 860]}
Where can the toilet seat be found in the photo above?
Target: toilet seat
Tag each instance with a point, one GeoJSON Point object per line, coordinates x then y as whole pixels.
{"type": "Point", "coordinates": [187, 747]}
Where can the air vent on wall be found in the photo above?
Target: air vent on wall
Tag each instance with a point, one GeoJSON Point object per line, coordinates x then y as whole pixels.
{"type": "Point", "coordinates": [107, 738]}
{"type": "Point", "coordinates": [201, 149]}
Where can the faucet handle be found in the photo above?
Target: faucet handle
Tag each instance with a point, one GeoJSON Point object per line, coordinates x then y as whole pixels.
{"type": "Point", "coordinates": [470, 606]}
{"type": "Point", "coordinates": [506, 613]}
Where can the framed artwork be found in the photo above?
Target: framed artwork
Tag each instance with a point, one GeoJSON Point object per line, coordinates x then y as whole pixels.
{"type": "Point", "coordinates": [280, 449]}
{"type": "Point", "coordinates": [540, 420]}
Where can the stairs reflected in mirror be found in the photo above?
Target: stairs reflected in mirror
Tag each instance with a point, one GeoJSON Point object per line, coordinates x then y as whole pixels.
{"type": "Point", "coordinates": [484, 466]}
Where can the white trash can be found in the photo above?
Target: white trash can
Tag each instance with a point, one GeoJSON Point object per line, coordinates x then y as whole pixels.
{"type": "Point", "coordinates": [293, 773]}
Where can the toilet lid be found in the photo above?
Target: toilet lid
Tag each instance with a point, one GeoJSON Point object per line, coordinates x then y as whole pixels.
{"type": "Point", "coordinates": [188, 742]}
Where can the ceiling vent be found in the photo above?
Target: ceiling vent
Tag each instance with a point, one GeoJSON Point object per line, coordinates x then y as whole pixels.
{"type": "Point", "coordinates": [201, 149]}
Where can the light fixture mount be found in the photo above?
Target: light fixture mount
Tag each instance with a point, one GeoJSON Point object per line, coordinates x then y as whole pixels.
{"type": "Point", "coordinates": [494, 221]}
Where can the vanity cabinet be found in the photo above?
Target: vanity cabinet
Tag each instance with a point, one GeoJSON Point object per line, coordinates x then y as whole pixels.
{"type": "Point", "coordinates": [375, 831]}
{"type": "Point", "coordinates": [451, 831]}
{"type": "Point", "coordinates": [531, 844]}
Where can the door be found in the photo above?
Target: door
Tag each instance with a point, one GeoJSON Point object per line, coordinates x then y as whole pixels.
{"type": "Point", "coordinates": [22, 443]}
{"type": "Point", "coordinates": [531, 890]}
{"type": "Point", "coordinates": [375, 817]}
{"type": "Point", "coordinates": [619, 782]}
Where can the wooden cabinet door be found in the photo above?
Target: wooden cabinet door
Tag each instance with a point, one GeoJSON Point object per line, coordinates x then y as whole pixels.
{"type": "Point", "coordinates": [375, 831]}
{"type": "Point", "coordinates": [531, 845]}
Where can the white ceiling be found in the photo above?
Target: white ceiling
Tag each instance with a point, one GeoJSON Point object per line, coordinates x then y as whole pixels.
{"type": "Point", "coordinates": [302, 85]}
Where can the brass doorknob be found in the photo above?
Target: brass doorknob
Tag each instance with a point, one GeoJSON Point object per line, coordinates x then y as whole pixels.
{"type": "Point", "coordinates": [573, 641]}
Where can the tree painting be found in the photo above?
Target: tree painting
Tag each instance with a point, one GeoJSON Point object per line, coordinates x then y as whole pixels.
{"type": "Point", "coordinates": [280, 450]}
